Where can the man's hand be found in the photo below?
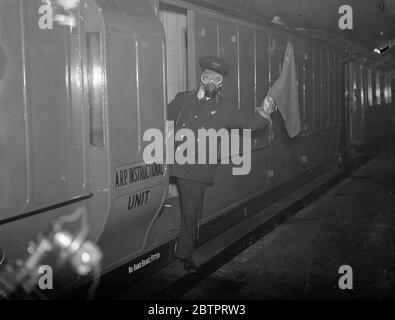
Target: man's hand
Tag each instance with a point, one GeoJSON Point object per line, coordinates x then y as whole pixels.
{"type": "Point", "coordinates": [268, 106]}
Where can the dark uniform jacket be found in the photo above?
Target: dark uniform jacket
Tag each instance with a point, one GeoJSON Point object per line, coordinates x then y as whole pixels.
{"type": "Point", "coordinates": [188, 112]}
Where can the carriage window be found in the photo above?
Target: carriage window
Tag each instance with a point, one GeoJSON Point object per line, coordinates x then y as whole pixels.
{"type": "Point", "coordinates": [318, 96]}
{"type": "Point", "coordinates": [122, 95]}
{"type": "Point", "coordinates": [370, 88]}
{"type": "Point", "coordinates": [378, 92]}
{"type": "Point", "coordinates": [387, 88]}
{"type": "Point", "coordinates": [362, 86]}
{"type": "Point", "coordinates": [151, 80]}
{"type": "Point", "coordinates": [95, 87]}
{"type": "Point", "coordinates": [174, 20]}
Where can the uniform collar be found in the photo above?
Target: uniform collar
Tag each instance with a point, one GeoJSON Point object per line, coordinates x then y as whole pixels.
{"type": "Point", "coordinates": [200, 94]}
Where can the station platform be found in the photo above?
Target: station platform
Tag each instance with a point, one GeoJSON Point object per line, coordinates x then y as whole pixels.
{"type": "Point", "coordinates": [351, 225]}
{"type": "Point", "coordinates": [293, 248]}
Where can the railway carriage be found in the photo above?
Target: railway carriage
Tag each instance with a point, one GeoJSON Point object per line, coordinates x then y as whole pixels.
{"type": "Point", "coordinates": [76, 100]}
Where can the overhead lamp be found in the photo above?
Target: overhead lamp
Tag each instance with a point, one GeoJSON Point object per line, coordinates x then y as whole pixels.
{"type": "Point", "coordinates": [383, 47]}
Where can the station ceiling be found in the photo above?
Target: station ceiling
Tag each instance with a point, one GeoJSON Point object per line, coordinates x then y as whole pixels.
{"type": "Point", "coordinates": [373, 20]}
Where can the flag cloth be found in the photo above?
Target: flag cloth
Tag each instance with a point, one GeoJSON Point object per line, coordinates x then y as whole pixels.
{"type": "Point", "coordinates": [285, 93]}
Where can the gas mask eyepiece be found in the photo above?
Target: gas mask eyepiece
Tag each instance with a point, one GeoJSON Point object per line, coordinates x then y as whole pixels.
{"type": "Point", "coordinates": [211, 83]}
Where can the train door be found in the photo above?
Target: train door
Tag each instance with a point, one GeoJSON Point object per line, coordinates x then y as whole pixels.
{"type": "Point", "coordinates": [135, 87]}
{"type": "Point", "coordinates": [124, 95]}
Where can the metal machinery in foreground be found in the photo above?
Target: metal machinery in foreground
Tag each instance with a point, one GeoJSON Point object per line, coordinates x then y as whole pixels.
{"type": "Point", "coordinates": [63, 248]}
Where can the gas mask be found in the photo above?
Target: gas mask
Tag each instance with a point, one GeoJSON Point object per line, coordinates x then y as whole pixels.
{"type": "Point", "coordinates": [211, 83]}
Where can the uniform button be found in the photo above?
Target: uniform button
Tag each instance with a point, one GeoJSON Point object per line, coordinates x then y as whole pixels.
{"type": "Point", "coordinates": [195, 116]}
{"type": "Point", "coordinates": [183, 124]}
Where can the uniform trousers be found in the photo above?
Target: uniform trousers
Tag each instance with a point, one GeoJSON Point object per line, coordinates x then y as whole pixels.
{"type": "Point", "coordinates": [191, 200]}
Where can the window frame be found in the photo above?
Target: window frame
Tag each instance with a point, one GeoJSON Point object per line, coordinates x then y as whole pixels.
{"type": "Point", "coordinates": [95, 88]}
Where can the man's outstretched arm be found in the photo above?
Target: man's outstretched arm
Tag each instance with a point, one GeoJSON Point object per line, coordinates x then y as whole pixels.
{"type": "Point", "coordinates": [258, 121]}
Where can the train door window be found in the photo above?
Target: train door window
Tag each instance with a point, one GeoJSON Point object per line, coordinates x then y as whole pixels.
{"type": "Point", "coordinates": [339, 90]}
{"type": "Point", "coordinates": [331, 74]}
{"type": "Point", "coordinates": [247, 65]}
{"type": "Point", "coordinates": [228, 50]}
{"type": "Point", "coordinates": [151, 88]}
{"type": "Point", "coordinates": [95, 87]}
{"type": "Point", "coordinates": [261, 76]}
{"type": "Point", "coordinates": [354, 86]}
{"type": "Point", "coordinates": [347, 83]}
{"type": "Point", "coordinates": [57, 158]}
{"type": "Point", "coordinates": [370, 87]}
{"type": "Point", "coordinates": [205, 30]}
{"type": "Point", "coordinates": [122, 95]}
{"type": "Point", "coordinates": [325, 91]}
{"type": "Point", "coordinates": [362, 86]}
{"type": "Point", "coordinates": [262, 65]}
{"type": "Point", "coordinates": [309, 92]}
{"type": "Point", "coordinates": [386, 88]}
{"type": "Point", "coordinates": [317, 88]}
{"type": "Point", "coordinates": [378, 90]}
{"type": "Point", "coordinates": [174, 20]}
{"type": "Point", "coordinates": [364, 98]}
{"type": "Point", "coordinates": [300, 76]}
{"type": "Point", "coordinates": [366, 88]}
{"type": "Point", "coordinates": [383, 88]}
{"type": "Point", "coordinates": [277, 51]}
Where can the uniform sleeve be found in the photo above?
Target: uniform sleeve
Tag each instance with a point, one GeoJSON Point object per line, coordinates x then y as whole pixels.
{"type": "Point", "coordinates": [242, 120]}
{"type": "Point", "coordinates": [174, 108]}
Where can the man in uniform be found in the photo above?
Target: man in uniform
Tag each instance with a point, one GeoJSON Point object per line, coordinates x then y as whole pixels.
{"type": "Point", "coordinates": [204, 109]}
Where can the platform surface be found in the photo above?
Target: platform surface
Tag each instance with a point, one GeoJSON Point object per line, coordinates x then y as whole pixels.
{"type": "Point", "coordinates": [352, 225]}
